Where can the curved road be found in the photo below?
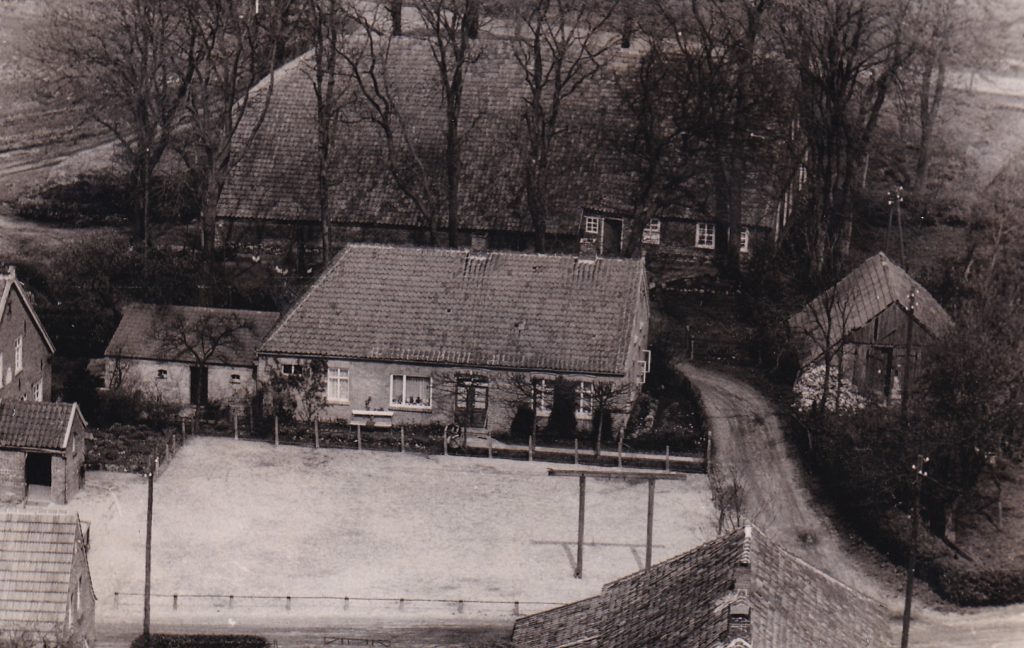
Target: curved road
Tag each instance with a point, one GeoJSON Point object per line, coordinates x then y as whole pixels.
{"type": "Point", "coordinates": [748, 442]}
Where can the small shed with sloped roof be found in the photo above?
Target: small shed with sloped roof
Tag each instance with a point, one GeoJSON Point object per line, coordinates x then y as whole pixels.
{"type": "Point", "coordinates": [443, 335]}
{"type": "Point", "coordinates": [46, 593]}
{"type": "Point", "coordinates": [42, 451]}
{"type": "Point", "coordinates": [861, 324]}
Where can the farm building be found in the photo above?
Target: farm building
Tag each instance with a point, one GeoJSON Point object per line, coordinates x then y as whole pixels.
{"type": "Point", "coordinates": [737, 591]}
{"type": "Point", "coordinates": [42, 451]}
{"type": "Point", "coordinates": [26, 352]}
{"type": "Point", "coordinates": [46, 593]}
{"type": "Point", "coordinates": [861, 324]}
{"type": "Point", "coordinates": [272, 190]}
{"type": "Point", "coordinates": [187, 355]}
{"type": "Point", "coordinates": [443, 335]}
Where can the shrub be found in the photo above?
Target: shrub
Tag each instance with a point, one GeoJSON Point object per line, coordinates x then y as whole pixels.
{"type": "Point", "coordinates": [967, 583]}
{"type": "Point", "coordinates": [200, 641]}
{"type": "Point", "coordinates": [562, 419]}
{"type": "Point", "coordinates": [522, 423]}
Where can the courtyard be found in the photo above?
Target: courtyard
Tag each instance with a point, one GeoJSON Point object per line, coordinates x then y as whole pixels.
{"type": "Point", "coordinates": [260, 524]}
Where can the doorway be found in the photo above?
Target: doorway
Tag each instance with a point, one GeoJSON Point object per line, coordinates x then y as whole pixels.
{"type": "Point", "coordinates": [198, 385]}
{"type": "Point", "coordinates": [37, 469]}
{"type": "Point", "coordinates": [611, 237]}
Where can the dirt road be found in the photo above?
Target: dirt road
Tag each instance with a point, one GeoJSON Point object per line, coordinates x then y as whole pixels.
{"type": "Point", "coordinates": [749, 442]}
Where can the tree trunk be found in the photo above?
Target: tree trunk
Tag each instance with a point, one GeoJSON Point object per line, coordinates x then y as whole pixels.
{"type": "Point", "coordinates": [929, 103]}
{"type": "Point", "coordinates": [452, 167]}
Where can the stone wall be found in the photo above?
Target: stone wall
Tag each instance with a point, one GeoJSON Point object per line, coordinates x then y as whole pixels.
{"type": "Point", "coordinates": [12, 476]}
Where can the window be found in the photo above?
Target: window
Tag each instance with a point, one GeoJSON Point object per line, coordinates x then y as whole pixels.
{"type": "Point", "coordinates": [410, 391]}
{"type": "Point", "coordinates": [652, 233]}
{"type": "Point", "coordinates": [337, 385]}
{"type": "Point", "coordinates": [18, 345]}
{"type": "Point", "coordinates": [37, 391]}
{"type": "Point", "coordinates": [542, 395]}
{"type": "Point", "coordinates": [584, 400]}
{"type": "Point", "coordinates": [161, 374]}
{"type": "Point", "coordinates": [705, 236]}
{"type": "Point", "coordinates": [745, 239]}
{"type": "Point", "coordinates": [471, 401]}
{"type": "Point", "coordinates": [646, 361]}
{"type": "Point", "coordinates": [236, 379]}
{"type": "Point", "coordinates": [291, 368]}
{"type": "Point", "coordinates": [592, 224]}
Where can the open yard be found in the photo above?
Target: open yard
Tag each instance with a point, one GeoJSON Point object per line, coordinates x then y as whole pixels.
{"type": "Point", "coordinates": [245, 518]}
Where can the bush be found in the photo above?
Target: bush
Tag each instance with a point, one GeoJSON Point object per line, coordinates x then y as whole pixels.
{"type": "Point", "coordinates": [562, 419]}
{"type": "Point", "coordinates": [522, 423]}
{"type": "Point", "coordinates": [966, 583]}
{"type": "Point", "coordinates": [200, 641]}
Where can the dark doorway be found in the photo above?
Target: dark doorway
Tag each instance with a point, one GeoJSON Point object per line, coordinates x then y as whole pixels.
{"type": "Point", "coordinates": [880, 370]}
{"type": "Point", "coordinates": [37, 469]}
{"type": "Point", "coordinates": [199, 385]}
{"type": "Point", "coordinates": [471, 401]}
{"type": "Point", "coordinates": [611, 240]}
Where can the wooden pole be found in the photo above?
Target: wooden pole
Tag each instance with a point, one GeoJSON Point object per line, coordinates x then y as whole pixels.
{"type": "Point", "coordinates": [579, 534]}
{"type": "Point", "coordinates": [444, 441]}
{"type": "Point", "coordinates": [490, 447]}
{"type": "Point", "coordinates": [182, 428]}
{"type": "Point", "coordinates": [234, 423]}
{"type": "Point", "coordinates": [149, 551]}
{"type": "Point", "coordinates": [576, 451]}
{"type": "Point", "coordinates": [359, 436]}
{"type": "Point", "coordinates": [621, 434]}
{"type": "Point", "coordinates": [402, 433]}
{"type": "Point", "coordinates": [650, 521]}
{"type": "Point", "coordinates": [909, 355]}
{"type": "Point", "coordinates": [316, 433]}
{"type": "Point", "coordinates": [668, 465]}
{"type": "Point", "coordinates": [912, 559]}
{"type": "Point", "coordinates": [531, 447]}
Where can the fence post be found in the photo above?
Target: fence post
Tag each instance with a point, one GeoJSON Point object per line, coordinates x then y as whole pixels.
{"type": "Point", "coordinates": [359, 436]}
{"type": "Point", "coordinates": [275, 431]}
{"type": "Point", "coordinates": [401, 431]}
{"type": "Point", "coordinates": [515, 608]}
{"type": "Point", "coordinates": [707, 457]}
{"type": "Point", "coordinates": [576, 451]}
{"type": "Point", "coordinates": [234, 423]}
{"type": "Point", "coordinates": [620, 449]}
{"type": "Point", "coordinates": [117, 603]}
{"type": "Point", "coordinates": [175, 601]}
{"type": "Point", "coordinates": [490, 447]}
{"type": "Point", "coordinates": [667, 464]}
{"type": "Point", "coordinates": [316, 433]}
{"type": "Point", "coordinates": [288, 602]}
{"type": "Point", "coordinates": [531, 446]}
{"type": "Point", "coordinates": [444, 440]}
{"type": "Point", "coordinates": [182, 428]}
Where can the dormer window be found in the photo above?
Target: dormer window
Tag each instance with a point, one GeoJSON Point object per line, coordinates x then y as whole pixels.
{"type": "Point", "coordinates": [592, 225]}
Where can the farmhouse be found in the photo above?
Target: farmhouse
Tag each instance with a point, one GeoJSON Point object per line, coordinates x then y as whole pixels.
{"type": "Point", "coordinates": [861, 323]}
{"type": "Point", "coordinates": [444, 335]}
{"type": "Point", "coordinates": [42, 451]}
{"type": "Point", "coordinates": [737, 591]}
{"type": "Point", "coordinates": [272, 190]}
{"type": "Point", "coordinates": [187, 355]}
{"type": "Point", "coordinates": [46, 593]}
{"type": "Point", "coordinates": [26, 352]}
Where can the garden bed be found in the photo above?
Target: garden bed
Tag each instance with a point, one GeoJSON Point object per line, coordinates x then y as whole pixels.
{"type": "Point", "coordinates": [129, 448]}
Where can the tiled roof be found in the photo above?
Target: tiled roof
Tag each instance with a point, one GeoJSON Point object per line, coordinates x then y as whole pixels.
{"type": "Point", "coordinates": [688, 602]}
{"type": "Point", "coordinates": [28, 424]}
{"type": "Point", "coordinates": [144, 332]}
{"type": "Point", "coordinates": [275, 177]}
{"type": "Point", "coordinates": [455, 307]}
{"type": "Point", "coordinates": [37, 551]}
{"type": "Point", "coordinates": [859, 297]}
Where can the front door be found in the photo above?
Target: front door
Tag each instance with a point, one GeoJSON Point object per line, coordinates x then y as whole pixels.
{"type": "Point", "coordinates": [37, 469]}
{"type": "Point", "coordinates": [880, 371]}
{"type": "Point", "coordinates": [471, 402]}
{"type": "Point", "coordinates": [199, 385]}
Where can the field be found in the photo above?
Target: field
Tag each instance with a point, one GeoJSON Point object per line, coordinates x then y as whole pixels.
{"type": "Point", "coordinates": [245, 518]}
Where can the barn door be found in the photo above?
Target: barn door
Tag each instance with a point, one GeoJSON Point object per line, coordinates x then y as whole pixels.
{"type": "Point", "coordinates": [880, 370]}
{"type": "Point", "coordinates": [198, 385]}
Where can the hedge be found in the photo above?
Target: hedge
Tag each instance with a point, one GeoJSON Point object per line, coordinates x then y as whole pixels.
{"type": "Point", "coordinates": [200, 641]}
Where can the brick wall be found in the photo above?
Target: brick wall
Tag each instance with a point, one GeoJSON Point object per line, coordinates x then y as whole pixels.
{"type": "Point", "coordinates": [58, 479]}
{"type": "Point", "coordinates": [75, 454]}
{"type": "Point", "coordinates": [36, 358]}
{"type": "Point", "coordinates": [81, 602]}
{"type": "Point", "coordinates": [12, 476]}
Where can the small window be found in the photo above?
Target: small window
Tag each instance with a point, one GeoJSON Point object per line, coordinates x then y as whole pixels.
{"type": "Point", "coordinates": [646, 361]}
{"type": "Point", "coordinates": [705, 236]}
{"type": "Point", "coordinates": [236, 379]}
{"type": "Point", "coordinates": [745, 239]}
{"type": "Point", "coordinates": [585, 400]}
{"type": "Point", "coordinates": [18, 359]}
{"type": "Point", "coordinates": [652, 233]}
{"type": "Point", "coordinates": [592, 224]}
{"type": "Point", "coordinates": [337, 385]}
{"type": "Point", "coordinates": [291, 368]}
{"type": "Point", "coordinates": [37, 391]}
{"type": "Point", "coordinates": [161, 374]}
{"type": "Point", "coordinates": [410, 392]}
{"type": "Point", "coordinates": [542, 396]}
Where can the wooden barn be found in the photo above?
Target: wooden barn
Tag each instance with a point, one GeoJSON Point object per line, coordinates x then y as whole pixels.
{"type": "Point", "coordinates": [861, 324]}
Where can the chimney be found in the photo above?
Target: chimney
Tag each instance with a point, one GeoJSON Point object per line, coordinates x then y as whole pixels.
{"type": "Point", "coordinates": [588, 249]}
{"type": "Point", "coordinates": [478, 243]}
{"type": "Point", "coordinates": [395, 9]}
{"type": "Point", "coordinates": [739, 623]}
{"type": "Point", "coordinates": [472, 18]}
{"type": "Point", "coordinates": [628, 25]}
{"type": "Point", "coordinates": [9, 274]}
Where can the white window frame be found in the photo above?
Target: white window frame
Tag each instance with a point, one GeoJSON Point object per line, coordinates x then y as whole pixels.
{"type": "Point", "coordinates": [402, 405]}
{"type": "Point", "coordinates": [704, 237]}
{"type": "Point", "coordinates": [37, 391]}
{"type": "Point", "coordinates": [646, 361]}
{"type": "Point", "coordinates": [19, 347]}
{"type": "Point", "coordinates": [338, 386]}
{"type": "Point", "coordinates": [652, 232]}
{"type": "Point", "coordinates": [744, 239]}
{"type": "Point", "coordinates": [236, 379]}
{"type": "Point", "coordinates": [542, 396]}
{"type": "Point", "coordinates": [290, 367]}
{"type": "Point", "coordinates": [161, 374]}
{"type": "Point", "coordinates": [592, 225]}
{"type": "Point", "coordinates": [583, 392]}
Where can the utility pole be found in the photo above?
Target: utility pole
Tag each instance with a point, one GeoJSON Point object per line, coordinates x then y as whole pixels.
{"type": "Point", "coordinates": [919, 472]}
{"type": "Point", "coordinates": [905, 396]}
{"type": "Point", "coordinates": [149, 552]}
{"type": "Point", "coordinates": [895, 201]}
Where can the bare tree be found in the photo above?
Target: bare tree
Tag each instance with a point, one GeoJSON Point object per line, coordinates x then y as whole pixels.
{"type": "Point", "coordinates": [130, 63]}
{"type": "Point", "coordinates": [235, 49]}
{"type": "Point", "coordinates": [564, 46]}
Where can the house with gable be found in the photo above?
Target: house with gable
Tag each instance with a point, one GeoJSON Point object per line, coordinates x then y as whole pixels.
{"type": "Point", "coordinates": [272, 189]}
{"type": "Point", "coordinates": [26, 351]}
{"type": "Point", "coordinates": [864, 318]}
{"type": "Point", "coordinates": [46, 592]}
{"type": "Point", "coordinates": [448, 335]}
{"type": "Point", "coordinates": [42, 451]}
{"type": "Point", "coordinates": [741, 590]}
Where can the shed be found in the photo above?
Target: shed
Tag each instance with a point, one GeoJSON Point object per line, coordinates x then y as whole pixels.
{"type": "Point", "coordinates": [42, 451]}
